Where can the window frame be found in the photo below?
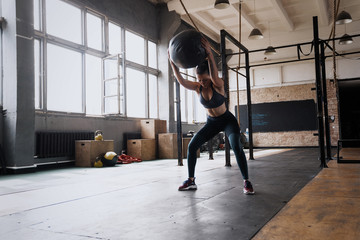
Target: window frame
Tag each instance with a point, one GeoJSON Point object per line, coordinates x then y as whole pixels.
{"type": "Point", "coordinates": [45, 38]}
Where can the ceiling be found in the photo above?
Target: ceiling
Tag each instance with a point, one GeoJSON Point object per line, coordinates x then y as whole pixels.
{"type": "Point", "coordinates": [282, 22]}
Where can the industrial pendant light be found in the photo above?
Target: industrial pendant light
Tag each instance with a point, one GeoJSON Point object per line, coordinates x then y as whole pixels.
{"type": "Point", "coordinates": [255, 34]}
{"type": "Point", "coordinates": [221, 4]}
{"type": "Point", "coordinates": [270, 50]}
{"type": "Point", "coordinates": [343, 17]}
{"type": "Point", "coordinates": [345, 39]}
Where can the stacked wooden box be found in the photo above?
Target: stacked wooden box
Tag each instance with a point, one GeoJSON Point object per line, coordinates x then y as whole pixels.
{"type": "Point", "coordinates": [86, 151]}
{"type": "Point", "coordinates": [155, 142]}
{"type": "Point", "coordinates": [146, 147]}
{"type": "Point", "coordinates": [168, 147]}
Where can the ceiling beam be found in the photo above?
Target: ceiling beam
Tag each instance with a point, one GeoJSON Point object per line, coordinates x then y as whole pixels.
{"type": "Point", "coordinates": [247, 20]}
{"type": "Point", "coordinates": [279, 8]}
{"type": "Point", "coordinates": [193, 6]}
{"type": "Point", "coordinates": [323, 6]}
{"type": "Point", "coordinates": [210, 23]}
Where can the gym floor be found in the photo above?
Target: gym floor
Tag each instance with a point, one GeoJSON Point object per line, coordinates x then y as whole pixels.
{"type": "Point", "coordinates": [141, 201]}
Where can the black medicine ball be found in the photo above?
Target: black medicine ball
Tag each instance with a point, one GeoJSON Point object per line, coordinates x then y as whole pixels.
{"type": "Point", "coordinates": [185, 49]}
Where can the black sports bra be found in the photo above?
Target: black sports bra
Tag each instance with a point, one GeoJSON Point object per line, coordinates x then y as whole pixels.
{"type": "Point", "coordinates": [216, 100]}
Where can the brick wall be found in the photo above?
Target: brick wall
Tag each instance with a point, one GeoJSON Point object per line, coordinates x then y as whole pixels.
{"type": "Point", "coordinates": [288, 93]}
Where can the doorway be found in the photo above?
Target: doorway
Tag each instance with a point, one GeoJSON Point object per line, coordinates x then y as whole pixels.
{"type": "Point", "coordinates": [349, 105]}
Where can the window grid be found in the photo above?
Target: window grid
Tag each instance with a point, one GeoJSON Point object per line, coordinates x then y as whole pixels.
{"type": "Point", "coordinates": [44, 39]}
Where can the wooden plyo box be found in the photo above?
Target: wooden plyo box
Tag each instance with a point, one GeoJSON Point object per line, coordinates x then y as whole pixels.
{"type": "Point", "coordinates": [86, 151]}
{"type": "Point", "coordinates": [145, 149]}
{"type": "Point", "coordinates": [150, 128]}
{"type": "Point", "coordinates": [168, 148]}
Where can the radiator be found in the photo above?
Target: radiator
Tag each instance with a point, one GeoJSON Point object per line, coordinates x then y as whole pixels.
{"type": "Point", "coordinates": [59, 144]}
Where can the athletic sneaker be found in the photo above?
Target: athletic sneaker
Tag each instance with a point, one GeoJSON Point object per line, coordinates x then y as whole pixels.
{"type": "Point", "coordinates": [188, 185]}
{"type": "Point", "coordinates": [248, 188]}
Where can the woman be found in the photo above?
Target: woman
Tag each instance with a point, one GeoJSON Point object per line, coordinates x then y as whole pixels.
{"type": "Point", "coordinates": [210, 89]}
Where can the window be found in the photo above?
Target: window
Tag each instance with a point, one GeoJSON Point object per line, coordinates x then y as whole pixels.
{"type": "Point", "coordinates": [191, 108]}
{"type": "Point", "coordinates": [111, 83]}
{"type": "Point", "coordinates": [64, 21]}
{"type": "Point", "coordinates": [153, 96]}
{"type": "Point", "coordinates": [37, 73]}
{"type": "Point", "coordinates": [134, 48]}
{"type": "Point", "coordinates": [114, 39]}
{"type": "Point", "coordinates": [37, 14]}
{"type": "Point", "coordinates": [152, 55]}
{"type": "Point", "coordinates": [77, 71]}
{"type": "Point", "coordinates": [64, 79]}
{"type": "Point", "coordinates": [94, 31]}
{"type": "Point", "coordinates": [93, 85]}
{"type": "Point", "coordinates": [136, 93]}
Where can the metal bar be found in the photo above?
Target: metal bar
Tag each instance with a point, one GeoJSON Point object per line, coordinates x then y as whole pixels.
{"type": "Point", "coordinates": [249, 107]}
{"type": "Point", "coordinates": [290, 45]}
{"type": "Point", "coordinates": [179, 127]}
{"type": "Point", "coordinates": [273, 63]}
{"type": "Point", "coordinates": [224, 68]}
{"type": "Point", "coordinates": [234, 41]}
{"type": "Point", "coordinates": [188, 75]}
{"type": "Point", "coordinates": [325, 100]}
{"type": "Point", "coordinates": [233, 69]}
{"type": "Point", "coordinates": [263, 49]}
{"type": "Point", "coordinates": [349, 79]}
{"type": "Point", "coordinates": [319, 93]}
{"type": "Point", "coordinates": [298, 60]}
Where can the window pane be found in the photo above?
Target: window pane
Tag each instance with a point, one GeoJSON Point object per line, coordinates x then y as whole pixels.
{"type": "Point", "coordinates": [63, 20]}
{"type": "Point", "coordinates": [37, 16]}
{"type": "Point", "coordinates": [190, 95]}
{"type": "Point", "coordinates": [114, 39]}
{"type": "Point", "coordinates": [111, 105]}
{"type": "Point", "coordinates": [183, 104]}
{"type": "Point", "coordinates": [152, 54]}
{"type": "Point", "coordinates": [64, 79]}
{"type": "Point", "coordinates": [37, 71]}
{"type": "Point", "coordinates": [110, 68]}
{"type": "Point", "coordinates": [111, 87]}
{"type": "Point", "coordinates": [93, 85]}
{"type": "Point", "coordinates": [94, 31]}
{"type": "Point", "coordinates": [200, 112]}
{"type": "Point", "coordinates": [153, 96]}
{"type": "Point", "coordinates": [135, 93]}
{"type": "Point", "coordinates": [135, 50]}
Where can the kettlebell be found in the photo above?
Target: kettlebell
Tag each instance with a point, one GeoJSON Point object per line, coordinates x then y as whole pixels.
{"type": "Point", "coordinates": [98, 135]}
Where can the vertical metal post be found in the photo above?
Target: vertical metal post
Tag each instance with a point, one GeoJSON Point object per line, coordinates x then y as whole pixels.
{"type": "Point", "coordinates": [326, 110]}
{"type": "Point", "coordinates": [210, 149]}
{"type": "Point", "coordinates": [179, 127]}
{"type": "Point", "coordinates": [319, 93]}
{"type": "Point", "coordinates": [226, 86]}
{"type": "Point", "coordinates": [249, 108]}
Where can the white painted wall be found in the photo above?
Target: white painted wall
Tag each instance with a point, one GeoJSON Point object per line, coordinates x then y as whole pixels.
{"type": "Point", "coordinates": [294, 73]}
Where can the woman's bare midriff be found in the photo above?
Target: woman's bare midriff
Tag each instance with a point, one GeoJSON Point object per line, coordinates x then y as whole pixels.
{"type": "Point", "coordinates": [216, 112]}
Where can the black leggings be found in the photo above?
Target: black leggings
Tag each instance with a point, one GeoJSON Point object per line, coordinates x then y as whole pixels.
{"type": "Point", "coordinates": [228, 123]}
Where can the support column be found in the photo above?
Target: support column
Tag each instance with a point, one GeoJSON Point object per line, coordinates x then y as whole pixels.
{"type": "Point", "coordinates": [319, 93]}
{"type": "Point", "coordinates": [18, 84]}
{"type": "Point", "coordinates": [325, 99]}
{"type": "Point", "coordinates": [169, 22]}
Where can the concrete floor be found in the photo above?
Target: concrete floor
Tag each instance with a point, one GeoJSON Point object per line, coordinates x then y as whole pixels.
{"type": "Point", "coordinates": [141, 201]}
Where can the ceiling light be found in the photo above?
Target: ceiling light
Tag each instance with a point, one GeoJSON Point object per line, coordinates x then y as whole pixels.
{"type": "Point", "coordinates": [345, 39]}
{"type": "Point", "coordinates": [270, 51]}
{"type": "Point", "coordinates": [255, 34]}
{"type": "Point", "coordinates": [221, 4]}
{"type": "Point", "coordinates": [343, 17]}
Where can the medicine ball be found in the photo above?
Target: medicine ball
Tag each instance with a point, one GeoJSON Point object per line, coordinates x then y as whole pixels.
{"type": "Point", "coordinates": [185, 49]}
{"type": "Point", "coordinates": [109, 159]}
